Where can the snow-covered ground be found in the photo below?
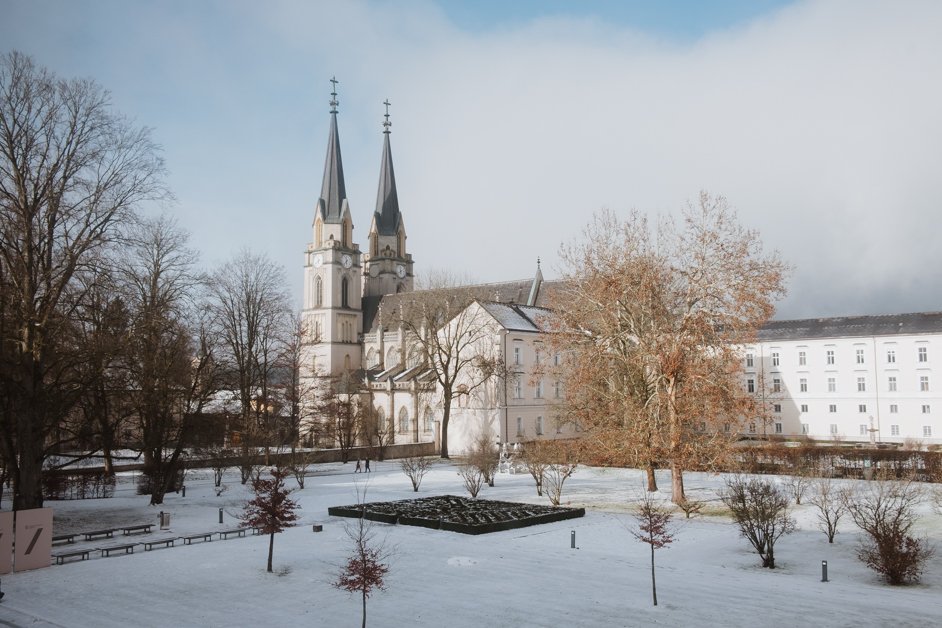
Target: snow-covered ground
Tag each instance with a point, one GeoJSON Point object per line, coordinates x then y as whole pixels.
{"type": "Point", "coordinates": [526, 577]}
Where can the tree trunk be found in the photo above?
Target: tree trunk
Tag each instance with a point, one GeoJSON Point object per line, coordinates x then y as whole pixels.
{"type": "Point", "coordinates": [652, 479]}
{"type": "Point", "coordinates": [653, 583]}
{"type": "Point", "coordinates": [27, 469]}
{"type": "Point", "coordinates": [364, 609]}
{"type": "Point", "coordinates": [446, 413]}
{"type": "Point", "coordinates": [677, 483]}
{"type": "Point", "coordinates": [271, 549]}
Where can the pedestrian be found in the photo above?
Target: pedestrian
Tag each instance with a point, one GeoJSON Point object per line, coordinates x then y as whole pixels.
{"type": "Point", "coordinates": [357, 470]}
{"type": "Point", "coordinates": [367, 465]}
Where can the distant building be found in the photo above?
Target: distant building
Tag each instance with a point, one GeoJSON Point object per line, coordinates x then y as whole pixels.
{"type": "Point", "coordinates": [864, 379]}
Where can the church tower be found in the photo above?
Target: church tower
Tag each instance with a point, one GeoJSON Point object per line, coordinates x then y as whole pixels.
{"type": "Point", "coordinates": [387, 265]}
{"type": "Point", "coordinates": [332, 271]}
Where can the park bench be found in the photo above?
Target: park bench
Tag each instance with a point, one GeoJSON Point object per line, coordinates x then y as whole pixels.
{"type": "Point", "coordinates": [109, 533]}
{"type": "Point", "coordinates": [206, 536]}
{"type": "Point", "coordinates": [63, 538]}
{"type": "Point", "coordinates": [61, 556]}
{"type": "Point", "coordinates": [143, 527]}
{"type": "Point", "coordinates": [127, 547]}
{"type": "Point", "coordinates": [149, 545]}
{"type": "Point", "coordinates": [225, 534]}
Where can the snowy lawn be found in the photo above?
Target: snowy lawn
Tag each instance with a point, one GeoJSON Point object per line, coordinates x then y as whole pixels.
{"type": "Point", "coordinates": [524, 577]}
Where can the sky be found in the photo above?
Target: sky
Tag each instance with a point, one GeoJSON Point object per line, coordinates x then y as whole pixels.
{"type": "Point", "coordinates": [512, 123]}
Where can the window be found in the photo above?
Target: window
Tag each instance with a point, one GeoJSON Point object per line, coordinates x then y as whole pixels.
{"type": "Point", "coordinates": [776, 385]}
{"type": "Point", "coordinates": [752, 428]}
{"type": "Point", "coordinates": [894, 409]}
{"type": "Point", "coordinates": [805, 428]}
{"type": "Point", "coordinates": [344, 290]}
{"type": "Point", "coordinates": [556, 359]}
{"type": "Point", "coordinates": [832, 408]}
{"type": "Point", "coordinates": [802, 358]}
{"type": "Point", "coordinates": [924, 383]}
{"type": "Point", "coordinates": [832, 384]}
{"type": "Point", "coordinates": [860, 356]}
{"type": "Point", "coordinates": [538, 357]}
{"type": "Point", "coordinates": [833, 428]}
{"type": "Point", "coordinates": [863, 429]}
{"type": "Point", "coordinates": [926, 409]}
{"type": "Point", "coordinates": [927, 430]}
{"type": "Point", "coordinates": [403, 420]}
{"type": "Point", "coordinates": [803, 384]}
{"type": "Point", "coordinates": [862, 408]}
{"type": "Point", "coordinates": [517, 356]}
{"type": "Point", "coordinates": [861, 384]}
{"type": "Point", "coordinates": [750, 385]}
{"type": "Point", "coordinates": [318, 292]}
{"type": "Point", "coordinates": [750, 360]}
{"type": "Point", "coordinates": [775, 358]}
{"type": "Point", "coordinates": [372, 358]}
{"type": "Point", "coordinates": [539, 426]}
{"type": "Point", "coordinates": [804, 407]}
{"type": "Point", "coordinates": [777, 408]}
{"type": "Point", "coordinates": [517, 389]}
{"type": "Point", "coordinates": [726, 427]}
{"type": "Point", "coordinates": [891, 356]}
{"type": "Point", "coordinates": [519, 426]}
{"type": "Point", "coordinates": [894, 430]}
{"type": "Point", "coordinates": [891, 383]}
{"type": "Point", "coordinates": [539, 390]}
{"type": "Point", "coordinates": [923, 354]}
{"type": "Point", "coordinates": [829, 356]}
{"type": "Point", "coordinates": [557, 389]}
{"type": "Point", "coordinates": [429, 419]}
{"type": "Point", "coordinates": [392, 357]}
{"type": "Point", "coordinates": [778, 428]}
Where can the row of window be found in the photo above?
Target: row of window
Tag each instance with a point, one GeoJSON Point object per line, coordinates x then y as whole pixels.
{"type": "Point", "coordinates": [861, 408]}
{"type": "Point", "coordinates": [405, 421]}
{"type": "Point", "coordinates": [539, 427]}
{"type": "Point", "coordinates": [922, 355]}
{"type": "Point", "coordinates": [538, 357]}
{"type": "Point", "coordinates": [891, 383]}
{"type": "Point", "coordinates": [538, 392]}
{"type": "Point", "coordinates": [833, 430]}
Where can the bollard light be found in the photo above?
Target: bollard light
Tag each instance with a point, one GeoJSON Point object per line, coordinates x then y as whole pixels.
{"type": "Point", "coordinates": [824, 571]}
{"type": "Point", "coordinates": [184, 490]}
{"type": "Point", "coordinates": [572, 540]}
{"type": "Point", "coordinates": [220, 514]}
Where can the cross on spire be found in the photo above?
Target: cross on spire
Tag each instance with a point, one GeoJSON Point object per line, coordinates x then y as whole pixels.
{"type": "Point", "coordinates": [333, 95]}
{"type": "Point", "coordinates": [386, 122]}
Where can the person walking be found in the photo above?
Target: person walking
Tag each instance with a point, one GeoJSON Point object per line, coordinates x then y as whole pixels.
{"type": "Point", "coordinates": [367, 465]}
{"type": "Point", "coordinates": [358, 469]}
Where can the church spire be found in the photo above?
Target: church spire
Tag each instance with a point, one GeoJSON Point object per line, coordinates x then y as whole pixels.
{"type": "Point", "coordinates": [333, 190]}
{"type": "Point", "coordinates": [387, 201]}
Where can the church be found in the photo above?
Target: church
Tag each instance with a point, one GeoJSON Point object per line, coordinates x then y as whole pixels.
{"type": "Point", "coordinates": [865, 379]}
{"type": "Point", "coordinates": [350, 301]}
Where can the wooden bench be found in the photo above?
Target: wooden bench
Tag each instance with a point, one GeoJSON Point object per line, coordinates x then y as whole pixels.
{"type": "Point", "coordinates": [109, 533]}
{"type": "Point", "coordinates": [225, 534]}
{"type": "Point", "coordinates": [144, 527]}
{"type": "Point", "coordinates": [149, 545]}
{"type": "Point", "coordinates": [61, 556]}
{"type": "Point", "coordinates": [63, 538]}
{"type": "Point", "coordinates": [127, 547]}
{"type": "Point", "coordinates": [188, 540]}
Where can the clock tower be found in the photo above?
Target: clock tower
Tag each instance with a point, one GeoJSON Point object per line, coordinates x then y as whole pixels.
{"type": "Point", "coordinates": [332, 272]}
{"type": "Point", "coordinates": [387, 265]}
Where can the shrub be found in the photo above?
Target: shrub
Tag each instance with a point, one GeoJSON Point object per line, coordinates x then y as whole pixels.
{"type": "Point", "coordinates": [760, 509]}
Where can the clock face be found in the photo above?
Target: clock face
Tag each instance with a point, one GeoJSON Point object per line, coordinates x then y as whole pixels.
{"type": "Point", "coordinates": [318, 260]}
{"type": "Point", "coordinates": [401, 271]}
{"type": "Point", "coordinates": [347, 261]}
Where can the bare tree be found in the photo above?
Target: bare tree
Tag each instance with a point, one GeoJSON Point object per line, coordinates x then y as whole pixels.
{"type": "Point", "coordinates": [71, 171]}
{"type": "Point", "coordinates": [760, 509]}
{"type": "Point", "coordinates": [339, 409]}
{"type": "Point", "coordinates": [830, 503]}
{"type": "Point", "coordinates": [472, 477]}
{"type": "Point", "coordinates": [484, 455]}
{"type": "Point", "coordinates": [556, 475]}
{"type": "Point", "coordinates": [797, 485]}
{"type": "Point", "coordinates": [251, 311]}
{"type": "Point", "coordinates": [886, 512]}
{"type": "Point", "coordinates": [298, 393]}
{"type": "Point", "coordinates": [537, 456]}
{"type": "Point", "coordinates": [415, 468]}
{"type": "Point", "coordinates": [652, 320]}
{"type": "Point", "coordinates": [653, 527]}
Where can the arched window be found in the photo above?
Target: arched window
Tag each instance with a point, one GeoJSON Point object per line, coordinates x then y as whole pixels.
{"type": "Point", "coordinates": [403, 420]}
{"type": "Point", "coordinates": [346, 362]}
{"type": "Point", "coordinates": [318, 292]}
{"type": "Point", "coordinates": [401, 244]}
{"type": "Point", "coordinates": [372, 358]}
{"type": "Point", "coordinates": [380, 418]}
{"type": "Point", "coordinates": [415, 357]}
{"type": "Point", "coordinates": [400, 288]}
{"type": "Point", "coordinates": [429, 419]}
{"type": "Point", "coordinates": [318, 233]}
{"type": "Point", "coordinates": [344, 285]}
{"type": "Point", "coordinates": [344, 240]}
{"type": "Point", "coordinates": [392, 357]}
{"type": "Point", "coordinates": [374, 244]}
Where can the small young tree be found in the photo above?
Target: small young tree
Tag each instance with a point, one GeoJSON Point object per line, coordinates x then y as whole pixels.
{"type": "Point", "coordinates": [886, 511]}
{"type": "Point", "coordinates": [652, 527]}
{"type": "Point", "coordinates": [415, 467]}
{"type": "Point", "coordinates": [536, 460]}
{"type": "Point", "coordinates": [690, 507]}
{"type": "Point", "coordinates": [485, 456]}
{"type": "Point", "coordinates": [365, 571]}
{"type": "Point", "coordinates": [472, 477]}
{"type": "Point", "coordinates": [760, 509]}
{"type": "Point", "coordinates": [556, 475]}
{"type": "Point", "coordinates": [797, 485]}
{"type": "Point", "coordinates": [298, 464]}
{"type": "Point", "coordinates": [272, 510]}
{"type": "Point", "coordinates": [830, 503]}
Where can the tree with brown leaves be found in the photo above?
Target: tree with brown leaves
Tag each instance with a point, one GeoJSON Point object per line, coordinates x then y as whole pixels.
{"type": "Point", "coordinates": [366, 569]}
{"type": "Point", "coordinates": [651, 320]}
{"type": "Point", "coordinates": [272, 510]}
{"type": "Point", "coordinates": [654, 528]}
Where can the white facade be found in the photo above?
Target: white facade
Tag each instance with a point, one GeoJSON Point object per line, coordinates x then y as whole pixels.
{"type": "Point", "coordinates": [877, 388]}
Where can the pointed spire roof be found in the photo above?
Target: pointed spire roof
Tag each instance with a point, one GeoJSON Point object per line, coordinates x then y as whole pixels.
{"type": "Point", "coordinates": [536, 285]}
{"type": "Point", "coordinates": [387, 201]}
{"type": "Point", "coordinates": [333, 189]}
